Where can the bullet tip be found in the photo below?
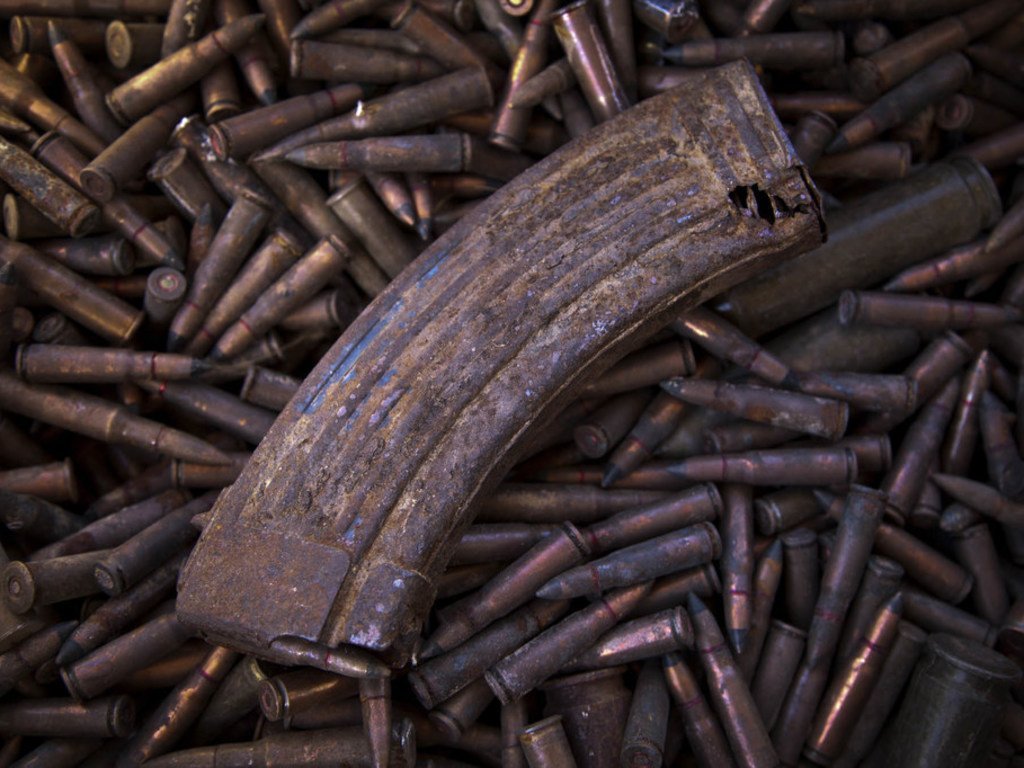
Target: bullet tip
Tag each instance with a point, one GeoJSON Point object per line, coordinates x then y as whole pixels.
{"type": "Point", "coordinates": [611, 474]}
{"type": "Point", "coordinates": [423, 229]}
{"type": "Point", "coordinates": [838, 144]}
{"type": "Point", "coordinates": [551, 591]}
{"type": "Point", "coordinates": [175, 343]}
{"type": "Point", "coordinates": [694, 604]}
{"type": "Point", "coordinates": [738, 640]}
{"type": "Point", "coordinates": [69, 652]}
{"type": "Point", "coordinates": [55, 33]}
{"type": "Point", "coordinates": [267, 96]}
{"type": "Point", "coordinates": [430, 649]}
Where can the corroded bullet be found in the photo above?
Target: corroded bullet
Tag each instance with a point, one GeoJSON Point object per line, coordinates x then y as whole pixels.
{"type": "Point", "coordinates": [962, 434]}
{"type": "Point", "coordinates": [796, 715]}
{"type": "Point", "coordinates": [59, 202]}
{"type": "Point", "coordinates": [670, 591]}
{"type": "Point", "coordinates": [737, 564]}
{"type": "Point", "coordinates": [334, 14]}
{"type": "Point", "coordinates": [778, 466]}
{"type": "Point", "coordinates": [128, 155]}
{"type": "Point", "coordinates": [236, 696]}
{"type": "Point", "coordinates": [119, 612]}
{"type": "Point", "coordinates": [724, 340]}
{"type": "Point", "coordinates": [256, 129]}
{"type": "Point", "coordinates": [425, 153]}
{"type": "Point", "coordinates": [703, 730]}
{"type": "Point", "coordinates": [441, 676]}
{"type": "Point", "coordinates": [643, 742]}
{"type": "Point", "coordinates": [395, 195]}
{"type": "Point", "coordinates": [134, 98]}
{"type": "Point", "coordinates": [606, 426]}
{"type": "Point", "coordinates": [400, 111]}
{"type": "Point", "coordinates": [782, 50]}
{"type": "Point", "coordinates": [54, 481]}
{"type": "Point", "coordinates": [936, 615]}
{"type": "Point", "coordinates": [850, 689]}
{"type": "Point", "coordinates": [862, 513]}
{"type": "Point", "coordinates": [811, 135]}
{"type": "Point", "coordinates": [107, 665]}
{"type": "Point", "coordinates": [730, 695]}
{"type": "Point", "coordinates": [268, 388]}
{"type": "Point", "coordinates": [780, 511]}
{"type": "Point", "coordinates": [185, 185]}
{"type": "Point", "coordinates": [767, 577]}
{"type": "Point", "coordinates": [22, 96]}
{"type": "Point", "coordinates": [545, 744]}
{"type": "Point", "coordinates": [510, 588]}
{"type": "Point", "coordinates": [657, 421]}
{"type": "Point", "coordinates": [679, 550]}
{"type": "Point", "coordinates": [812, 281]}
{"type": "Point", "coordinates": [101, 419]}
{"type": "Point", "coordinates": [214, 406]}
{"type": "Point", "coordinates": [328, 746]}
{"type": "Point", "coordinates": [101, 718]}
{"type": "Point", "coordinates": [36, 644]}
{"type": "Point", "coordinates": [594, 707]}
{"type": "Point", "coordinates": [174, 716]}
{"type": "Point", "coordinates": [975, 550]}
{"type": "Point", "coordinates": [435, 37]}
{"type": "Point", "coordinates": [928, 314]}
{"type": "Point", "coordinates": [165, 290]}
{"type": "Point", "coordinates": [283, 696]}
{"type": "Point", "coordinates": [219, 91]}
{"type": "Point", "coordinates": [127, 564]}
{"type": "Point", "coordinates": [358, 208]}
{"type": "Point", "coordinates": [56, 363]}
{"type": "Point", "coordinates": [953, 706]}
{"type": "Point", "coordinates": [114, 529]}
{"type": "Point", "coordinates": [801, 575]}
{"type": "Point", "coordinates": [44, 582]}
{"type": "Point", "coordinates": [902, 484]}
{"type": "Point", "coordinates": [928, 567]}
{"type": "Point", "coordinates": [120, 213]}
{"type": "Point", "coordinates": [869, 391]}
{"type": "Point", "coordinates": [539, 658]}
{"type": "Point", "coordinates": [588, 55]}
{"type": "Point", "coordinates": [36, 518]}
{"type": "Point", "coordinates": [300, 282]}
{"type": "Point", "coordinates": [107, 255]}
{"type": "Point", "coordinates": [930, 85]}
{"type": "Point", "coordinates": [133, 45]}
{"type": "Point", "coordinates": [783, 650]}
{"type": "Point", "coordinates": [234, 239]}
{"type": "Point", "coordinates": [897, 62]}
{"type": "Point", "coordinates": [981, 497]}
{"type": "Point", "coordinates": [644, 367]}
{"type": "Point", "coordinates": [338, 62]}
{"type": "Point", "coordinates": [328, 310]}
{"type": "Point", "coordinates": [1005, 466]}
{"type": "Point", "coordinates": [456, 715]}
{"type": "Point", "coordinates": [651, 635]}
{"type": "Point", "coordinates": [822, 417]}
{"type": "Point", "coordinates": [502, 542]}
{"type": "Point", "coordinates": [514, 717]}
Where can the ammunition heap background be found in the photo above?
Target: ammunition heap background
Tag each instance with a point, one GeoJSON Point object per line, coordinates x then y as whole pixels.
{"type": "Point", "coordinates": [868, 488]}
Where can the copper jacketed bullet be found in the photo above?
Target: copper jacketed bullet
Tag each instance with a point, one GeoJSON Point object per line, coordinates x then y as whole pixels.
{"type": "Point", "coordinates": [670, 591]}
{"type": "Point", "coordinates": [983, 498]}
{"type": "Point", "coordinates": [236, 696]}
{"type": "Point", "coordinates": [167, 724]}
{"type": "Point", "coordinates": [644, 367]}
{"type": "Point", "coordinates": [924, 313]}
{"type": "Point", "coordinates": [302, 280]}
{"type": "Point", "coordinates": [780, 511]}
{"type": "Point", "coordinates": [337, 62]}
{"type": "Point", "coordinates": [651, 635]}
{"type": "Point", "coordinates": [1005, 466]}
{"type": "Point", "coordinates": [119, 612]}
{"type": "Point", "coordinates": [962, 435]}
{"type": "Point", "coordinates": [779, 466]}
{"type": "Point", "coordinates": [606, 426]}
{"type": "Point", "coordinates": [268, 388]}
{"type": "Point", "coordinates": [953, 706]}
{"type": "Point", "coordinates": [53, 482]}
{"type": "Point", "coordinates": [703, 729]}
{"type": "Point", "coordinates": [862, 513]}
{"type": "Point", "coordinates": [185, 185]}
{"type": "Point", "coordinates": [850, 689]}
{"type": "Point", "coordinates": [722, 339]}
{"type": "Point", "coordinates": [676, 551]}
{"type": "Point", "coordinates": [927, 566]}
{"type": "Point", "coordinates": [36, 518]}
{"type": "Point", "coordinates": [657, 421]}
{"type": "Point", "coordinates": [585, 47]}
{"type": "Point", "coordinates": [134, 98]}
{"type": "Point", "coordinates": [441, 676]}
{"type": "Point", "coordinates": [539, 658]}
{"type": "Point", "coordinates": [360, 210]}
{"type": "Point", "coordinates": [107, 665]}
{"type": "Point", "coordinates": [101, 419]}
{"type": "Point", "coordinates": [822, 417]}
{"type": "Point", "coordinates": [730, 695]}
{"type": "Point", "coordinates": [976, 551]}
{"type": "Point", "coordinates": [288, 694]}
{"type": "Point", "coordinates": [801, 575]}
{"type": "Point", "coordinates": [737, 564]}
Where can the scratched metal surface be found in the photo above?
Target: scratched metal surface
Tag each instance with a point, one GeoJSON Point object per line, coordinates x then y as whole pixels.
{"type": "Point", "coordinates": [340, 525]}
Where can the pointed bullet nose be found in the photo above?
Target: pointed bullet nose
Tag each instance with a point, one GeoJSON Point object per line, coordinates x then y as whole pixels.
{"type": "Point", "coordinates": [694, 604]}
{"type": "Point", "coordinates": [55, 33]}
{"type": "Point", "coordinates": [738, 640]}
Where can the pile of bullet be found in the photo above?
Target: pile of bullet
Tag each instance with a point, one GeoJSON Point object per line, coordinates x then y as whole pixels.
{"type": "Point", "coordinates": [788, 530]}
